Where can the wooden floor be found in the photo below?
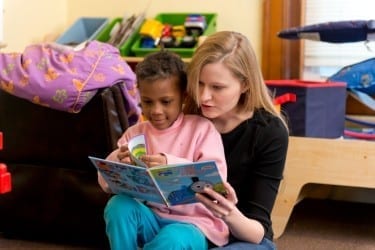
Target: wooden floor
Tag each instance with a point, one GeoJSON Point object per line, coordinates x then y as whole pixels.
{"type": "Point", "coordinates": [314, 225]}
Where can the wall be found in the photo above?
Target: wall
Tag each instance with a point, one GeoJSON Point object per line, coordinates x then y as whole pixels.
{"type": "Point", "coordinates": [27, 22]}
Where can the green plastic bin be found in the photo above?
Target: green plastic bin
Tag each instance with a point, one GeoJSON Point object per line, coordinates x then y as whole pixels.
{"type": "Point", "coordinates": [176, 19]}
{"type": "Point", "coordinates": [125, 48]}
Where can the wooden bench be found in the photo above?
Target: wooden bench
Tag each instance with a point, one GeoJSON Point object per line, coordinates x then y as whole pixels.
{"type": "Point", "coordinates": [341, 162]}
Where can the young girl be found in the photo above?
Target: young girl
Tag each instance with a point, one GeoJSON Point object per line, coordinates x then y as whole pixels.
{"type": "Point", "coordinates": [172, 137]}
{"type": "Point", "coordinates": [226, 84]}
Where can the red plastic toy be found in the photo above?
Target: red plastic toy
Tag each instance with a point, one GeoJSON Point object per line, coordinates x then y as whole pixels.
{"type": "Point", "coordinates": [5, 177]}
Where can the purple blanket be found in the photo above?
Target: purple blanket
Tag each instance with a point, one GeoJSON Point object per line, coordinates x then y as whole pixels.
{"type": "Point", "coordinates": [63, 78]}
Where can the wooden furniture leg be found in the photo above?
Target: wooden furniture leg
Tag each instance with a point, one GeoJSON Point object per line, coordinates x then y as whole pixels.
{"type": "Point", "coordinates": [322, 161]}
{"type": "Point", "coordinates": [284, 206]}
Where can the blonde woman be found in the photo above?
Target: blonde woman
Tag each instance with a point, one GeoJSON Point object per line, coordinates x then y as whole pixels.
{"type": "Point", "coordinates": [226, 85]}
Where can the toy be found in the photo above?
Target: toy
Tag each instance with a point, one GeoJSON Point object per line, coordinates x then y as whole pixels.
{"type": "Point", "coordinates": [195, 25]}
{"type": "Point", "coordinates": [167, 30]}
{"type": "Point", "coordinates": [168, 41]}
{"type": "Point", "coordinates": [173, 36]}
{"type": "Point", "coordinates": [188, 42]}
{"type": "Point", "coordinates": [178, 31]}
{"type": "Point", "coordinates": [152, 28]}
{"type": "Point", "coordinates": [5, 179]}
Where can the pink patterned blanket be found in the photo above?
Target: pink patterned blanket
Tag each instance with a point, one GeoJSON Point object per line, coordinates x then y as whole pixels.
{"type": "Point", "coordinates": [64, 78]}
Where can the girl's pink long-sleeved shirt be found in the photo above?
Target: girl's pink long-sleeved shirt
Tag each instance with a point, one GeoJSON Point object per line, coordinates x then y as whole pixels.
{"type": "Point", "coordinates": [191, 138]}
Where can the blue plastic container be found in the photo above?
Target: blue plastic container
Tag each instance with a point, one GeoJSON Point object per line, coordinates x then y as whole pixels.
{"type": "Point", "coordinates": [84, 29]}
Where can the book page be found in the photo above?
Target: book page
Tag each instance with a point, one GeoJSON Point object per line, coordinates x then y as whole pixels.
{"type": "Point", "coordinates": [137, 148]}
{"type": "Point", "coordinates": [179, 183]}
{"type": "Point", "coordinates": [127, 179]}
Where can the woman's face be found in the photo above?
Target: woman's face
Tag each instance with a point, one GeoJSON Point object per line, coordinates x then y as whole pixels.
{"type": "Point", "coordinates": [219, 91]}
{"type": "Point", "coordinates": [161, 101]}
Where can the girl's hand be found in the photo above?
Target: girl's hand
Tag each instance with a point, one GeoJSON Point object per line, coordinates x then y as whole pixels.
{"type": "Point", "coordinates": [221, 206]}
{"type": "Point", "coordinates": [103, 184]}
{"type": "Point", "coordinates": [154, 160]}
{"type": "Point", "coordinates": [123, 154]}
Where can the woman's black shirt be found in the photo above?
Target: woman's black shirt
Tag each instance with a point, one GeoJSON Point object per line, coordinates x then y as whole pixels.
{"type": "Point", "coordinates": [255, 152]}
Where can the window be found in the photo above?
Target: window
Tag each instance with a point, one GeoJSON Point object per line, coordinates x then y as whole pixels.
{"type": "Point", "coordinates": [323, 59]}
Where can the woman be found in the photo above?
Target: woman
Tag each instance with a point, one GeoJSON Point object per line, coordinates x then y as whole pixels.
{"type": "Point", "coordinates": [225, 84]}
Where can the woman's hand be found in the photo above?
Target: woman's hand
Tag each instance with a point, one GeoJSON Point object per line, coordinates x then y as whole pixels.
{"type": "Point", "coordinates": [154, 160]}
{"type": "Point", "coordinates": [221, 206]}
{"type": "Point", "coordinates": [224, 207]}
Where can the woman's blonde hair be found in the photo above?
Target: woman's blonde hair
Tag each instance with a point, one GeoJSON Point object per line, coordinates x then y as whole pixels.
{"type": "Point", "coordinates": [236, 53]}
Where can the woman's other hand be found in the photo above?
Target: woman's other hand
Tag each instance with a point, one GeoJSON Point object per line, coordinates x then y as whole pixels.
{"type": "Point", "coordinates": [224, 207]}
{"type": "Point", "coordinates": [220, 205]}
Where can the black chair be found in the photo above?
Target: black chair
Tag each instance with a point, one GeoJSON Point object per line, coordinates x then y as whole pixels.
{"type": "Point", "coordinates": [55, 194]}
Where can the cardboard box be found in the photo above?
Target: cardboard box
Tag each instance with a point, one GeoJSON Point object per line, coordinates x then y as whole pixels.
{"type": "Point", "coordinates": [319, 109]}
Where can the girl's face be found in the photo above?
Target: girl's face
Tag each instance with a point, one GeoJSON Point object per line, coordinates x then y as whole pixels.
{"type": "Point", "coordinates": [161, 101]}
{"type": "Point", "coordinates": [219, 91]}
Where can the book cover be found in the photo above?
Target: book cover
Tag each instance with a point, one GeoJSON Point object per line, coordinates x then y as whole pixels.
{"type": "Point", "coordinates": [170, 184]}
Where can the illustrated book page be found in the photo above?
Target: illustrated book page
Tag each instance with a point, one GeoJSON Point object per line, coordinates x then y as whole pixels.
{"type": "Point", "coordinates": [132, 180]}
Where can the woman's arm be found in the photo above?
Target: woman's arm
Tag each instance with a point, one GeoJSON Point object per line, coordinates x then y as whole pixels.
{"type": "Point", "coordinates": [256, 183]}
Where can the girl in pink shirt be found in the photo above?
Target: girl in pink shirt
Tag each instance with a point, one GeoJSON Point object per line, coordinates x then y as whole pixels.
{"type": "Point", "coordinates": [172, 137]}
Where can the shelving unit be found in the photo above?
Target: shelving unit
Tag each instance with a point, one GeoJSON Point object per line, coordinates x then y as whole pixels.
{"type": "Point", "coordinates": [132, 61]}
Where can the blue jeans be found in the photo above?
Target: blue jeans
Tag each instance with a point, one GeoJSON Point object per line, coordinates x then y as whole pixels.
{"type": "Point", "coordinates": [265, 244]}
{"type": "Point", "coordinates": [131, 224]}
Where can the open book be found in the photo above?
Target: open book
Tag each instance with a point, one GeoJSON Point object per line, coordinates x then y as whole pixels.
{"type": "Point", "coordinates": [170, 184]}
